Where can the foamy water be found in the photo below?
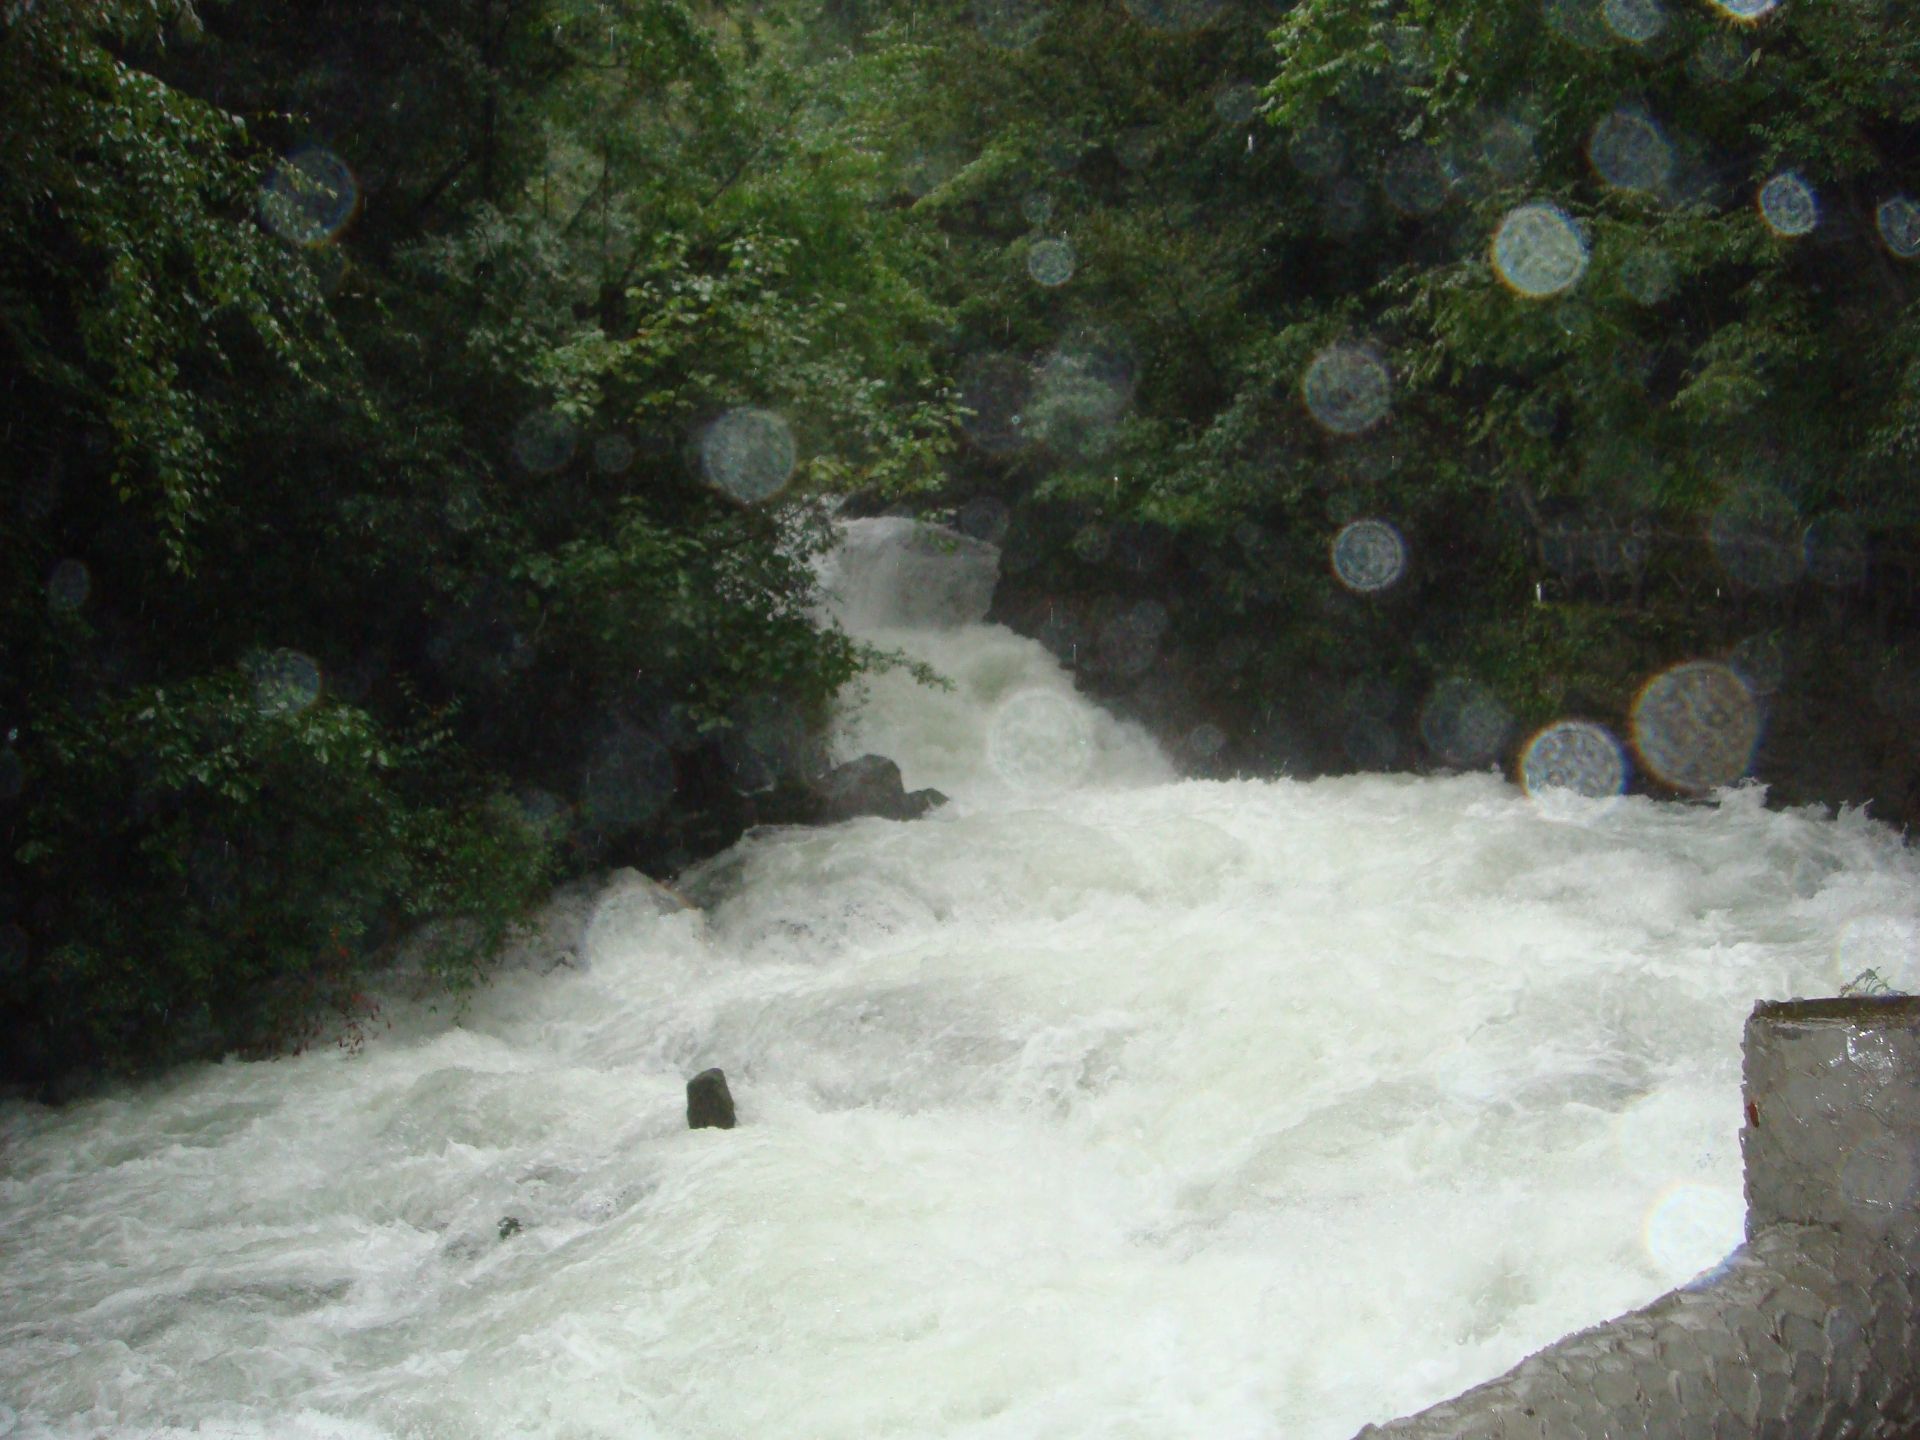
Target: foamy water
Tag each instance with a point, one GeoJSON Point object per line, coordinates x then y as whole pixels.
{"type": "Point", "coordinates": [1096, 1104]}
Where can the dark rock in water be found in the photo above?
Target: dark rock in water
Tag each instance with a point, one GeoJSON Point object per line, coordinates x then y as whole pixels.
{"type": "Point", "coordinates": [509, 1226]}
{"type": "Point", "coordinates": [709, 1102]}
{"type": "Point", "coordinates": [871, 786]}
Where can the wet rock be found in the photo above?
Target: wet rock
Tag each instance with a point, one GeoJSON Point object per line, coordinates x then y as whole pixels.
{"type": "Point", "coordinates": [709, 1102]}
{"type": "Point", "coordinates": [871, 785]}
{"type": "Point", "coordinates": [509, 1226]}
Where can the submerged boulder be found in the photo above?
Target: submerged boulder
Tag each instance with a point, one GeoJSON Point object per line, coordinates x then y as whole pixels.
{"type": "Point", "coordinates": [709, 1102]}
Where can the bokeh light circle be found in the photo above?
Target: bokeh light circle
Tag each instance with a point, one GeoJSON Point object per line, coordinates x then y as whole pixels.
{"type": "Point", "coordinates": [1576, 756]}
{"type": "Point", "coordinates": [612, 454]}
{"type": "Point", "coordinates": [995, 390]}
{"type": "Point", "coordinates": [1464, 723]}
{"type": "Point", "coordinates": [1695, 726]}
{"type": "Point", "coordinates": [544, 441]}
{"type": "Point", "coordinates": [1538, 250]}
{"type": "Point", "coordinates": [1038, 740]}
{"type": "Point", "coordinates": [1898, 220]}
{"type": "Point", "coordinates": [69, 586]}
{"type": "Point", "coordinates": [1760, 661]}
{"type": "Point", "coordinates": [309, 197]}
{"type": "Point", "coordinates": [1415, 181]}
{"type": "Point", "coordinates": [1236, 104]}
{"type": "Point", "coordinates": [748, 453]}
{"type": "Point", "coordinates": [1347, 388]}
{"type": "Point", "coordinates": [1036, 207]}
{"type": "Point", "coordinates": [1051, 262]}
{"type": "Point", "coordinates": [1788, 205]}
{"type": "Point", "coordinates": [285, 682]}
{"type": "Point", "coordinates": [1693, 1228]}
{"type": "Point", "coordinates": [1745, 10]}
{"type": "Point", "coordinates": [1629, 151]}
{"type": "Point", "coordinates": [1369, 556]}
{"type": "Point", "coordinates": [1635, 21]}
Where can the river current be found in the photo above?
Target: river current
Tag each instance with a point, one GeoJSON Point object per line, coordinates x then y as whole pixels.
{"type": "Point", "coordinates": [1098, 1103]}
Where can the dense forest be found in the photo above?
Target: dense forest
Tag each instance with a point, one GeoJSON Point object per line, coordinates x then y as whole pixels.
{"type": "Point", "coordinates": [422, 416]}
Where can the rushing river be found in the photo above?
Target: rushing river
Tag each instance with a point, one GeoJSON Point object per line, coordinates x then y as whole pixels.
{"type": "Point", "coordinates": [1096, 1104]}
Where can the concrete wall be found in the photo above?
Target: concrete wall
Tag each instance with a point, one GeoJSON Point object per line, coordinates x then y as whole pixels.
{"type": "Point", "coordinates": [1812, 1328]}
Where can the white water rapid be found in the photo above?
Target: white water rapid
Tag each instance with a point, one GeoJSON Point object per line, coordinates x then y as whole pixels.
{"type": "Point", "coordinates": [1095, 1104]}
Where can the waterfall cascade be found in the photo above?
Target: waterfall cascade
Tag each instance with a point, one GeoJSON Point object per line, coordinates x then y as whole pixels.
{"type": "Point", "coordinates": [1096, 1103]}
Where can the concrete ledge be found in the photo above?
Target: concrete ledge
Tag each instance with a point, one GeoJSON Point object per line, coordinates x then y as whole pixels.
{"type": "Point", "coordinates": [1809, 1330]}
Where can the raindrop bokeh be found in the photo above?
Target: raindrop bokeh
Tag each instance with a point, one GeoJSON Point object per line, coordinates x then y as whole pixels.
{"type": "Point", "coordinates": [1369, 556]}
{"type": "Point", "coordinates": [1898, 221]}
{"type": "Point", "coordinates": [1051, 262]}
{"type": "Point", "coordinates": [1635, 21]}
{"type": "Point", "coordinates": [1576, 756]}
{"type": "Point", "coordinates": [285, 682]}
{"type": "Point", "coordinates": [1538, 250]}
{"type": "Point", "coordinates": [1760, 661]}
{"type": "Point", "coordinates": [1788, 205]}
{"type": "Point", "coordinates": [1745, 10]}
{"type": "Point", "coordinates": [309, 197]}
{"type": "Point", "coordinates": [1695, 726]}
{"type": "Point", "coordinates": [1464, 723]}
{"type": "Point", "coordinates": [69, 586]}
{"type": "Point", "coordinates": [1693, 1228]}
{"type": "Point", "coordinates": [1235, 104]}
{"type": "Point", "coordinates": [1414, 181]}
{"type": "Point", "coordinates": [1347, 388]}
{"type": "Point", "coordinates": [544, 441]}
{"type": "Point", "coordinates": [749, 453]}
{"type": "Point", "coordinates": [1629, 151]}
{"type": "Point", "coordinates": [612, 454]}
{"type": "Point", "coordinates": [1036, 208]}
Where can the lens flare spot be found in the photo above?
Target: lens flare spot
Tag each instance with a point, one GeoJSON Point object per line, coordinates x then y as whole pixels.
{"type": "Point", "coordinates": [69, 586]}
{"type": "Point", "coordinates": [1236, 104]}
{"type": "Point", "coordinates": [285, 682]}
{"type": "Point", "coordinates": [1635, 21]}
{"type": "Point", "coordinates": [1538, 250]}
{"type": "Point", "coordinates": [1347, 388]}
{"type": "Point", "coordinates": [1463, 723]}
{"type": "Point", "coordinates": [1695, 726]}
{"type": "Point", "coordinates": [1899, 223]}
{"type": "Point", "coordinates": [748, 453]}
{"type": "Point", "coordinates": [1037, 208]}
{"type": "Point", "coordinates": [1051, 262]}
{"type": "Point", "coordinates": [1693, 1228]}
{"type": "Point", "coordinates": [1082, 392]}
{"type": "Point", "coordinates": [1369, 556]}
{"type": "Point", "coordinates": [1788, 205]}
{"type": "Point", "coordinates": [1576, 756]}
{"type": "Point", "coordinates": [1039, 741]}
{"type": "Point", "coordinates": [994, 394]}
{"type": "Point", "coordinates": [309, 197]}
{"type": "Point", "coordinates": [1629, 151]}
{"type": "Point", "coordinates": [612, 454]}
{"type": "Point", "coordinates": [1746, 11]}
{"type": "Point", "coordinates": [544, 441]}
